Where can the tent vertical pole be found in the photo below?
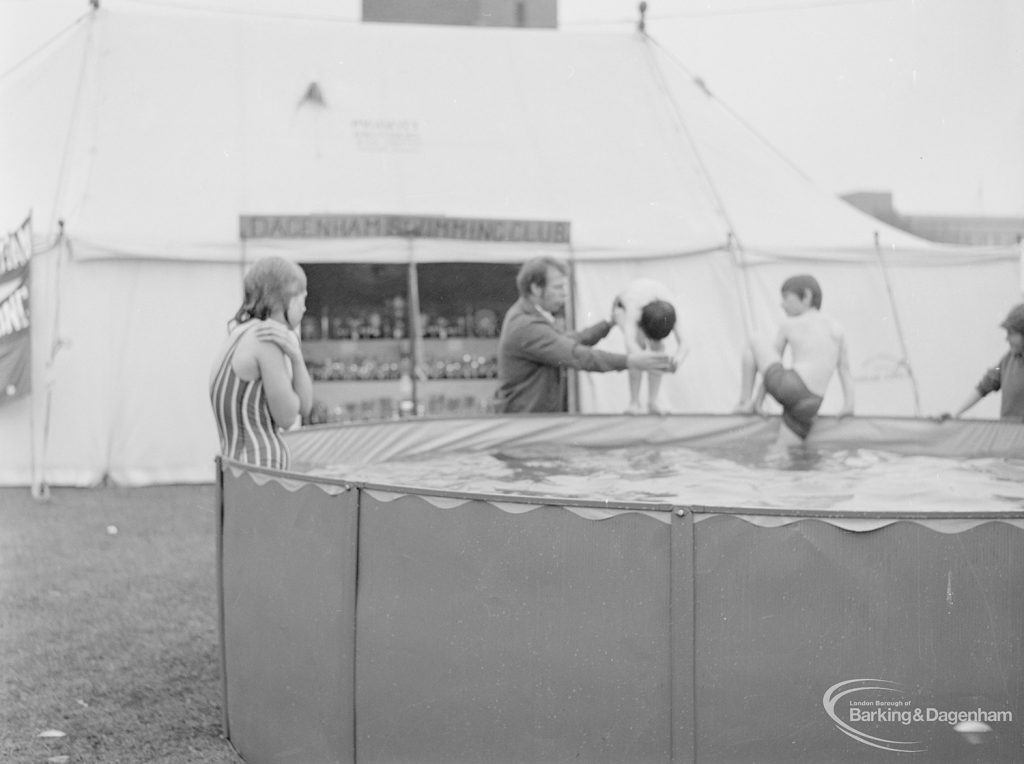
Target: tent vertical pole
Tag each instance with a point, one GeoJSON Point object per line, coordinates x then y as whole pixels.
{"type": "Point", "coordinates": [41, 490]}
{"type": "Point", "coordinates": [905, 358]}
{"type": "Point", "coordinates": [38, 486]}
{"type": "Point", "coordinates": [746, 308]}
{"type": "Point", "coordinates": [243, 261]}
{"type": "Point", "coordinates": [1020, 263]}
{"type": "Point", "coordinates": [415, 326]}
{"type": "Point", "coordinates": [573, 388]}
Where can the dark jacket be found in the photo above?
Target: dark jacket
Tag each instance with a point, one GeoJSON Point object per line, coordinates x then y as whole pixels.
{"type": "Point", "coordinates": [532, 357]}
{"type": "Point", "coordinates": [1007, 376]}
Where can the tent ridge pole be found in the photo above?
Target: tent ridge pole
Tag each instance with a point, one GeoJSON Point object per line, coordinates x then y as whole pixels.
{"type": "Point", "coordinates": [73, 122]}
{"type": "Point", "coordinates": [716, 197]}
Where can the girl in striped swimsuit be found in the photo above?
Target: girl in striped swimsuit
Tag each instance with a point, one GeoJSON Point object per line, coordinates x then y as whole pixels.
{"type": "Point", "coordinates": [259, 383]}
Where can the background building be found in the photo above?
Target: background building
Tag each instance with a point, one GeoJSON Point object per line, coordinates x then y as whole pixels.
{"type": "Point", "coordinates": [973, 230]}
{"type": "Point", "coordinates": [486, 13]}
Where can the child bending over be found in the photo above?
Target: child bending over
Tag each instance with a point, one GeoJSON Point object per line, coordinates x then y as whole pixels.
{"type": "Point", "coordinates": [646, 313]}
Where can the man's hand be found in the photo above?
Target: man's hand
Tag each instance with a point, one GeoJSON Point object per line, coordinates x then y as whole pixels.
{"type": "Point", "coordinates": [619, 314]}
{"type": "Point", "coordinates": [647, 361]}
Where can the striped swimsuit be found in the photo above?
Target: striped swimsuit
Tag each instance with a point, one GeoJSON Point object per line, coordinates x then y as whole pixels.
{"type": "Point", "coordinates": [246, 427]}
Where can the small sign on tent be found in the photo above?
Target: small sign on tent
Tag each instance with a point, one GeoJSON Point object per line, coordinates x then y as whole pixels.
{"type": "Point", "coordinates": [15, 345]}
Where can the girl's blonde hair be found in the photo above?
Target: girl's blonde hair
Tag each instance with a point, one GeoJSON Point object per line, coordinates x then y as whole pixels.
{"type": "Point", "coordinates": [270, 283]}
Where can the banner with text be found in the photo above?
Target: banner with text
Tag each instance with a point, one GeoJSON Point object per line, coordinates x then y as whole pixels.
{"type": "Point", "coordinates": [404, 226]}
{"type": "Point", "coordinates": [15, 345]}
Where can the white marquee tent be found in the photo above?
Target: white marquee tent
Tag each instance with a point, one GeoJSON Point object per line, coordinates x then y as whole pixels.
{"type": "Point", "coordinates": [149, 133]}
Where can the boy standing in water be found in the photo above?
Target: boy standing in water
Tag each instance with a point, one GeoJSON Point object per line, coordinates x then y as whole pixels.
{"type": "Point", "coordinates": [818, 347]}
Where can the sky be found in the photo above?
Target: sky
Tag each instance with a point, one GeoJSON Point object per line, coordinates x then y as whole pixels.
{"type": "Point", "coordinates": [920, 98]}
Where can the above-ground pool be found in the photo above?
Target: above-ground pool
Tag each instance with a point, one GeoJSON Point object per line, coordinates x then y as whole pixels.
{"type": "Point", "coordinates": [627, 589]}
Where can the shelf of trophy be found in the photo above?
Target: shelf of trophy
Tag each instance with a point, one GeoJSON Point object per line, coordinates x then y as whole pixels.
{"type": "Point", "coordinates": [366, 379]}
{"type": "Point", "coordinates": [356, 338]}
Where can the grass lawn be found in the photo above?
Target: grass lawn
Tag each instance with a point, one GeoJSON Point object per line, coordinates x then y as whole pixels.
{"type": "Point", "coordinates": [110, 637]}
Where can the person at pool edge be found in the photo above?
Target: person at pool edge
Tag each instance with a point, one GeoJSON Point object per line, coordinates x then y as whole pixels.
{"type": "Point", "coordinates": [817, 344]}
{"type": "Point", "coordinates": [1007, 376]}
{"type": "Point", "coordinates": [647, 317]}
{"type": "Point", "coordinates": [259, 384]}
{"type": "Point", "coordinates": [533, 352]}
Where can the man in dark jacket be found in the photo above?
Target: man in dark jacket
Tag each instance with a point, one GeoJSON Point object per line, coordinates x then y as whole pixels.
{"type": "Point", "coordinates": [533, 352]}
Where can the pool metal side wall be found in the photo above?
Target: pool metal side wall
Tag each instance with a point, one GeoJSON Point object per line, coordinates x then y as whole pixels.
{"type": "Point", "coordinates": [409, 438]}
{"type": "Point", "coordinates": [682, 634]}
{"type": "Point", "coordinates": [490, 636]}
{"type": "Point", "coordinates": [485, 633]}
{"type": "Point", "coordinates": [288, 570]}
{"type": "Point", "coordinates": [784, 614]}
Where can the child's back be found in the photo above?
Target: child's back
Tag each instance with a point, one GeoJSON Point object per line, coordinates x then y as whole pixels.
{"type": "Point", "coordinates": [815, 341]}
{"type": "Point", "coordinates": [646, 313]}
{"type": "Point", "coordinates": [817, 349]}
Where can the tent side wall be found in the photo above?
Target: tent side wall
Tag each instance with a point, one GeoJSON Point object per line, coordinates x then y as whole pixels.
{"type": "Point", "coordinates": [125, 397]}
{"type": "Point", "coordinates": [918, 311]}
{"type": "Point", "coordinates": [126, 390]}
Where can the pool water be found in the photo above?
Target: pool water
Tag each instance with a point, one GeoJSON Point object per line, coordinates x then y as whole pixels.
{"type": "Point", "coordinates": [750, 475]}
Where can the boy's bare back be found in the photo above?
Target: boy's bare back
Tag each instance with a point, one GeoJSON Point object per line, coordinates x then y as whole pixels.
{"type": "Point", "coordinates": [817, 345]}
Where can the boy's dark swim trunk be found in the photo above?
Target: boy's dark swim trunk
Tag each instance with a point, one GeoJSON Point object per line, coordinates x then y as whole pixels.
{"type": "Point", "coordinates": [799, 405]}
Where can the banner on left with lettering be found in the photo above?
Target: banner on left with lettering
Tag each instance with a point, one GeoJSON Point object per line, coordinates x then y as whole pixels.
{"type": "Point", "coordinates": [15, 343]}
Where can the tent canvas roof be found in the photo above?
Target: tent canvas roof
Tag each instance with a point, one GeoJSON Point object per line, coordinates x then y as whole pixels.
{"type": "Point", "coordinates": [174, 123]}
